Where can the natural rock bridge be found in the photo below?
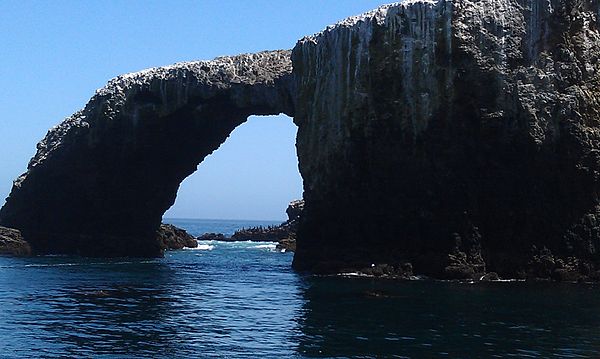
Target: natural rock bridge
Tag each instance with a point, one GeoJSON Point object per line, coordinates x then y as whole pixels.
{"type": "Point", "coordinates": [101, 180]}
{"type": "Point", "coordinates": [459, 136]}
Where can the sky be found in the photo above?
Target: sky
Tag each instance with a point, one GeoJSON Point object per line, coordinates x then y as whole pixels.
{"type": "Point", "coordinates": [55, 54]}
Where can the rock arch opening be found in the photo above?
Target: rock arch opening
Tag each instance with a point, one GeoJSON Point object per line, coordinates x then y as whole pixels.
{"type": "Point", "coordinates": [102, 179]}
{"type": "Point", "coordinates": [253, 175]}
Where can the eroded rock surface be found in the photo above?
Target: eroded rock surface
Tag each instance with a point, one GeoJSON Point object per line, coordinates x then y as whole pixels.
{"type": "Point", "coordinates": [12, 243]}
{"type": "Point", "coordinates": [454, 135]}
{"type": "Point", "coordinates": [101, 180]}
{"type": "Point", "coordinates": [171, 237]}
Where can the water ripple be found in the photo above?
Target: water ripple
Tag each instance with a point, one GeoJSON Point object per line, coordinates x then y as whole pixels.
{"type": "Point", "coordinates": [243, 300]}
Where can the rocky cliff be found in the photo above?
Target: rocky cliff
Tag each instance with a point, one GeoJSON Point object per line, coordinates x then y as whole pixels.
{"type": "Point", "coordinates": [461, 136]}
{"type": "Point", "coordinates": [101, 180]}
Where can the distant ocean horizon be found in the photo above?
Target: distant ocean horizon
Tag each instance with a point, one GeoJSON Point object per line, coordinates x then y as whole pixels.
{"type": "Point", "coordinates": [199, 226]}
{"type": "Point", "coordinates": [223, 219]}
{"type": "Point", "coordinates": [242, 299]}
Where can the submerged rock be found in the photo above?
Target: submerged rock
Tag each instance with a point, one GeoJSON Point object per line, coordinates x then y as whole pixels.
{"type": "Point", "coordinates": [171, 237]}
{"type": "Point", "coordinates": [213, 237]}
{"type": "Point", "coordinates": [12, 243]}
{"type": "Point", "coordinates": [286, 244]}
{"type": "Point", "coordinates": [284, 233]}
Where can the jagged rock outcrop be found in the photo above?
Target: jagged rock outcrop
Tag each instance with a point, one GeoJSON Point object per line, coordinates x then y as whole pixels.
{"type": "Point", "coordinates": [454, 135]}
{"type": "Point", "coordinates": [12, 243]}
{"type": "Point", "coordinates": [284, 234]}
{"type": "Point", "coordinates": [171, 237]}
{"type": "Point", "coordinates": [101, 180]}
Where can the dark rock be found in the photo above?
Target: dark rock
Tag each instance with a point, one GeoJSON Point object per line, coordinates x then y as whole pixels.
{"type": "Point", "coordinates": [398, 271]}
{"type": "Point", "coordinates": [287, 244]}
{"type": "Point", "coordinates": [565, 275]}
{"type": "Point", "coordinates": [594, 276]}
{"type": "Point", "coordinates": [427, 127]}
{"type": "Point", "coordinates": [490, 277]}
{"type": "Point", "coordinates": [544, 265]}
{"type": "Point", "coordinates": [171, 237]}
{"type": "Point", "coordinates": [12, 243]}
{"type": "Point", "coordinates": [102, 179]}
{"type": "Point", "coordinates": [294, 210]}
{"type": "Point", "coordinates": [261, 234]}
{"type": "Point", "coordinates": [284, 234]}
{"type": "Point", "coordinates": [459, 272]}
{"type": "Point", "coordinates": [213, 237]}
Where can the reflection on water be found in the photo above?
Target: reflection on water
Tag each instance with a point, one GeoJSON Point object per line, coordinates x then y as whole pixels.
{"type": "Point", "coordinates": [77, 307]}
{"type": "Point", "coordinates": [242, 300]}
{"type": "Point", "coordinates": [232, 300]}
{"type": "Point", "coordinates": [365, 317]}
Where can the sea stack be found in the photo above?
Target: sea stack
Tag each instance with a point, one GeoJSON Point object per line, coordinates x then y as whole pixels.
{"type": "Point", "coordinates": [460, 136]}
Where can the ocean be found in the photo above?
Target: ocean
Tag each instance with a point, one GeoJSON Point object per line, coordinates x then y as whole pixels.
{"type": "Point", "coordinates": [243, 300]}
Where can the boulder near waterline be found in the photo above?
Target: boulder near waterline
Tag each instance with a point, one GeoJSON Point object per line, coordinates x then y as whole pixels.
{"type": "Point", "coordinates": [12, 243]}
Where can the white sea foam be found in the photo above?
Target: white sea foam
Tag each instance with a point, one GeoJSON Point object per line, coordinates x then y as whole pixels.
{"type": "Point", "coordinates": [81, 264]}
{"type": "Point", "coordinates": [352, 274]}
{"type": "Point", "coordinates": [202, 247]}
{"type": "Point", "coordinates": [266, 246]}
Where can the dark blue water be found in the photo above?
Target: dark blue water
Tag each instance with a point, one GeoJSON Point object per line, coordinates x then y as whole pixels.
{"type": "Point", "coordinates": [242, 300]}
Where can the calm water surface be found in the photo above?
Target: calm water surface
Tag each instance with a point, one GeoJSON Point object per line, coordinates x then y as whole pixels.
{"type": "Point", "coordinates": [242, 300]}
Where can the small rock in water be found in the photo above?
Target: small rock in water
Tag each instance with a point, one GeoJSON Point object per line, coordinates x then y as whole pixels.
{"type": "Point", "coordinates": [12, 243]}
{"type": "Point", "coordinates": [171, 237]}
{"type": "Point", "coordinates": [213, 237]}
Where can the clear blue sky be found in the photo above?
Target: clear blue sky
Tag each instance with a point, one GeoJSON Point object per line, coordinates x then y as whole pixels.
{"type": "Point", "coordinates": [55, 54]}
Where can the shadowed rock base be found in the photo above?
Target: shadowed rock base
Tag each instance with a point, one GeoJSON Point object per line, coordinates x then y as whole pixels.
{"type": "Point", "coordinates": [12, 243]}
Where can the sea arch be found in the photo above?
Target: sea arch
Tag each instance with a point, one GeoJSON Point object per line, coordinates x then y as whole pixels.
{"type": "Point", "coordinates": [109, 172]}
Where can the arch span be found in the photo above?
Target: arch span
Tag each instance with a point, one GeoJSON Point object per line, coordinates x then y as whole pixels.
{"type": "Point", "coordinates": [109, 172]}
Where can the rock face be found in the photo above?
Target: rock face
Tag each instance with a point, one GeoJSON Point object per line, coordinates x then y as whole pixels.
{"type": "Point", "coordinates": [455, 135]}
{"type": "Point", "coordinates": [102, 179]}
{"type": "Point", "coordinates": [12, 243]}
{"type": "Point", "coordinates": [171, 237]}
